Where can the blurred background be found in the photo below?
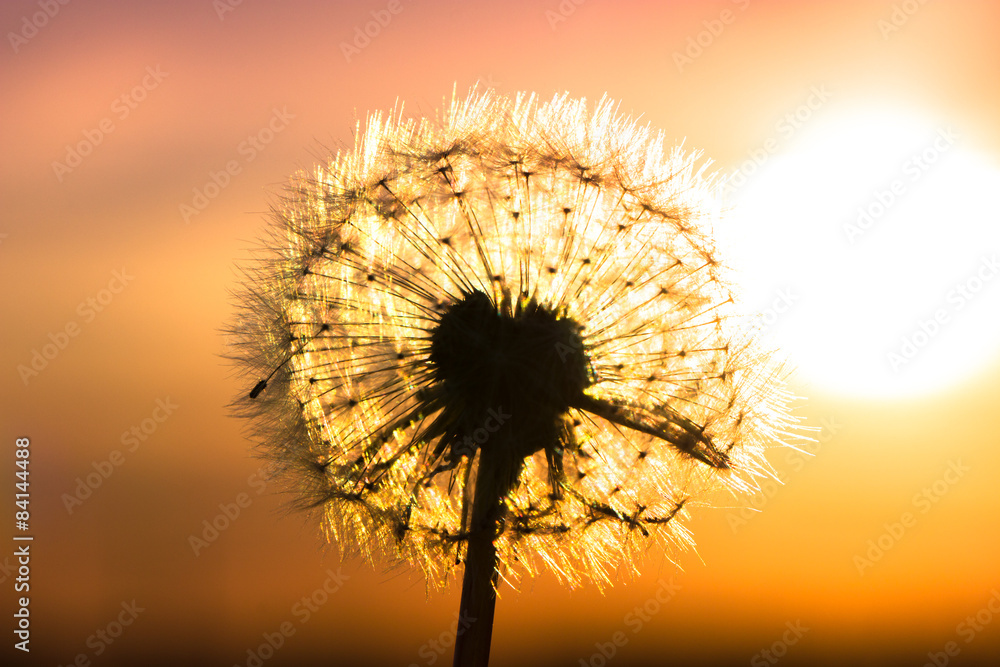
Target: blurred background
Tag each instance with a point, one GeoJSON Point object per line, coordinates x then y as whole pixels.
{"type": "Point", "coordinates": [858, 149]}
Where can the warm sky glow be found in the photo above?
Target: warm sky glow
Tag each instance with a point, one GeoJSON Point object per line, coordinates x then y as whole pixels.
{"type": "Point", "coordinates": [829, 99]}
{"type": "Point", "coordinates": [872, 243]}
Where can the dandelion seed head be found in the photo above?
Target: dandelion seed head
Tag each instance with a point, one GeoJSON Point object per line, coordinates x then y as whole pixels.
{"type": "Point", "coordinates": [520, 296]}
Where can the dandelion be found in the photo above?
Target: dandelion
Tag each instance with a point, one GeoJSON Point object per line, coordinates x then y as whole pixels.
{"type": "Point", "coordinates": [502, 340]}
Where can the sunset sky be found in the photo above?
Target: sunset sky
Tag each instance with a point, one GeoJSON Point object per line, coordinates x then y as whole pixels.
{"type": "Point", "coordinates": [857, 146]}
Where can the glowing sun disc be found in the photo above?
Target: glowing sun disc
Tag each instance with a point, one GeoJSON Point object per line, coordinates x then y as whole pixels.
{"type": "Point", "coordinates": [871, 245]}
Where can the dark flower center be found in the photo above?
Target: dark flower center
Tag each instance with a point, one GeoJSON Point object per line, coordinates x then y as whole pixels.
{"type": "Point", "coordinates": [492, 362]}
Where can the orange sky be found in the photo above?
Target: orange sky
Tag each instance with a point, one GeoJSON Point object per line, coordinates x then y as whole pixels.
{"type": "Point", "coordinates": [166, 94]}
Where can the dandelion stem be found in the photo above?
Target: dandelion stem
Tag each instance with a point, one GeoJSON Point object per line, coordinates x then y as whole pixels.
{"type": "Point", "coordinates": [494, 480]}
{"type": "Point", "coordinates": [472, 646]}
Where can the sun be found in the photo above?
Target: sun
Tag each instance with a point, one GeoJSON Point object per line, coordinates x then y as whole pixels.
{"type": "Point", "coordinates": [870, 244]}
